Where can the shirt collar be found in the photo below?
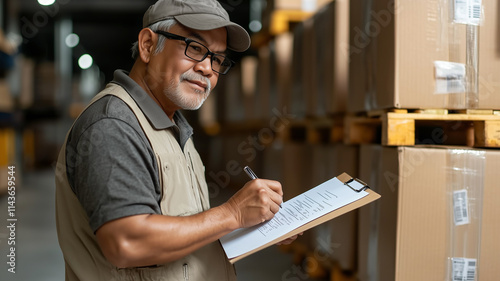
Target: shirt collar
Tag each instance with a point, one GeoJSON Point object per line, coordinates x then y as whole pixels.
{"type": "Point", "coordinates": [153, 112]}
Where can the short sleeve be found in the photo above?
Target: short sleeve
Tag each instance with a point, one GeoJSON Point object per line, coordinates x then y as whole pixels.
{"type": "Point", "coordinates": [113, 173]}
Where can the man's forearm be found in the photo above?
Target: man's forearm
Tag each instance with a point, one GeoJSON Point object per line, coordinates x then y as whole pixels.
{"type": "Point", "coordinates": [145, 240]}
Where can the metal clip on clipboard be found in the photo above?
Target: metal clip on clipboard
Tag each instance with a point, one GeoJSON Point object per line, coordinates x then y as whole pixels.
{"type": "Point", "coordinates": [356, 185]}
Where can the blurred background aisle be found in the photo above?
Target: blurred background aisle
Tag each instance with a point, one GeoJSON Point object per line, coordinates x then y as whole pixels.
{"type": "Point", "coordinates": [38, 256]}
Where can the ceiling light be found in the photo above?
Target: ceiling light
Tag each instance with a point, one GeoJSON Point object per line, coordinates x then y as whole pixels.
{"type": "Point", "coordinates": [255, 26]}
{"type": "Point", "coordinates": [46, 2]}
{"type": "Point", "coordinates": [85, 61]}
{"type": "Point", "coordinates": [72, 40]}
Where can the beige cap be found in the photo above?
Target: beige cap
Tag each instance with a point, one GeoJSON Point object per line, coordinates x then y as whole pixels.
{"type": "Point", "coordinates": [199, 15]}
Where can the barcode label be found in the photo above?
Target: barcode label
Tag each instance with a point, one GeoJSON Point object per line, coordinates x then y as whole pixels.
{"type": "Point", "coordinates": [464, 269]}
{"type": "Point", "coordinates": [468, 11]}
{"type": "Point", "coordinates": [460, 207]}
{"type": "Point", "coordinates": [450, 77]}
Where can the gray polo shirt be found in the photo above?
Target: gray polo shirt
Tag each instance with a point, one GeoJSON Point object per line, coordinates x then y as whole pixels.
{"type": "Point", "coordinates": [110, 164]}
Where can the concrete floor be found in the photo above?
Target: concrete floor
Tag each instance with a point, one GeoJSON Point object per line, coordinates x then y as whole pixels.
{"type": "Point", "coordinates": [39, 258]}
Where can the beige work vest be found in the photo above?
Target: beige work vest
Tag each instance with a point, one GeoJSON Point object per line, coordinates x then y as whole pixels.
{"type": "Point", "coordinates": [184, 192]}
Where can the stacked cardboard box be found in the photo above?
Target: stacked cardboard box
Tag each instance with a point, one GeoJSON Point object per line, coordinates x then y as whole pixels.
{"type": "Point", "coordinates": [6, 99]}
{"type": "Point", "coordinates": [395, 50]}
{"type": "Point", "coordinates": [407, 235]}
{"type": "Point", "coordinates": [45, 83]}
{"type": "Point", "coordinates": [297, 97]}
{"type": "Point", "coordinates": [249, 66]}
{"type": "Point", "coordinates": [336, 240]}
{"type": "Point", "coordinates": [330, 38]}
{"type": "Point", "coordinates": [319, 75]}
{"type": "Point", "coordinates": [233, 102]}
{"type": "Point", "coordinates": [26, 96]}
{"type": "Point", "coordinates": [283, 45]}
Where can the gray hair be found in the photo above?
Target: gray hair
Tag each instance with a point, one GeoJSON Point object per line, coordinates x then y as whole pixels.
{"type": "Point", "coordinates": [164, 25]}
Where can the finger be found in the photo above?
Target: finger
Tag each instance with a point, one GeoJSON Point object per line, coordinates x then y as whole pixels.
{"type": "Point", "coordinates": [288, 240]}
{"type": "Point", "coordinates": [274, 196]}
{"type": "Point", "coordinates": [275, 186]}
{"type": "Point", "coordinates": [270, 197]}
{"type": "Point", "coordinates": [274, 208]}
{"type": "Point", "coordinates": [269, 215]}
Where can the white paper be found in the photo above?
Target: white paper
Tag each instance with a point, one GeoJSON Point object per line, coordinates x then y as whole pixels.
{"type": "Point", "coordinates": [306, 207]}
{"type": "Point", "coordinates": [468, 12]}
{"type": "Point", "coordinates": [450, 77]}
{"type": "Point", "coordinates": [464, 269]}
{"type": "Point", "coordinates": [460, 207]}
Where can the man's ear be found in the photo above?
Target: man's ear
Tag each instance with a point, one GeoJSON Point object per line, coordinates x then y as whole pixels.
{"type": "Point", "coordinates": [147, 43]}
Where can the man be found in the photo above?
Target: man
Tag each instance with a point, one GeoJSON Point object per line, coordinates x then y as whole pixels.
{"type": "Point", "coordinates": [131, 197]}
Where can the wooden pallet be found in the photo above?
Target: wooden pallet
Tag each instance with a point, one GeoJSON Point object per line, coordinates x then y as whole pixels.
{"type": "Point", "coordinates": [315, 265]}
{"type": "Point", "coordinates": [400, 127]}
{"type": "Point", "coordinates": [314, 131]}
{"type": "Point", "coordinates": [320, 269]}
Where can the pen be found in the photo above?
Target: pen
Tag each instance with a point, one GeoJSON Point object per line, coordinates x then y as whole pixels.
{"type": "Point", "coordinates": [251, 174]}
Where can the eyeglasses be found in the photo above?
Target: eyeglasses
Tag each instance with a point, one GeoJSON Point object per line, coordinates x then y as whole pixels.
{"type": "Point", "coordinates": [199, 52]}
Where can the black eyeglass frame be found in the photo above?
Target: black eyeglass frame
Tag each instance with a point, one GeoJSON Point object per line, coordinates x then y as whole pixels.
{"type": "Point", "coordinates": [188, 41]}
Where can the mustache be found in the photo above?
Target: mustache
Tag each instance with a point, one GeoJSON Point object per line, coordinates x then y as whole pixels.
{"type": "Point", "coordinates": [197, 77]}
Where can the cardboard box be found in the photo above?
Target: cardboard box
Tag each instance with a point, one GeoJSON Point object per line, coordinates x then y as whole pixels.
{"type": "Point", "coordinates": [296, 163]}
{"type": "Point", "coordinates": [297, 101]}
{"type": "Point", "coordinates": [368, 217]}
{"type": "Point", "coordinates": [407, 236]}
{"type": "Point", "coordinates": [309, 71]}
{"type": "Point", "coordinates": [394, 45]}
{"type": "Point", "coordinates": [489, 56]}
{"type": "Point", "coordinates": [336, 240]}
{"type": "Point", "coordinates": [332, 29]}
{"type": "Point", "coordinates": [490, 248]}
{"type": "Point", "coordinates": [358, 51]}
{"type": "Point", "coordinates": [6, 100]}
{"type": "Point", "coordinates": [45, 84]}
{"type": "Point", "coordinates": [232, 94]}
{"type": "Point", "coordinates": [249, 66]}
{"type": "Point", "coordinates": [283, 46]}
{"type": "Point", "coordinates": [26, 96]}
{"type": "Point", "coordinates": [264, 77]}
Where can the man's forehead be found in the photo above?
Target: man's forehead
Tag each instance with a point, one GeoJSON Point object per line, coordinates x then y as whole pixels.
{"type": "Point", "coordinates": [216, 37]}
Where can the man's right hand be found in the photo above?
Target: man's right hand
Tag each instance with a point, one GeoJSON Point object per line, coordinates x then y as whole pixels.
{"type": "Point", "coordinates": [256, 202]}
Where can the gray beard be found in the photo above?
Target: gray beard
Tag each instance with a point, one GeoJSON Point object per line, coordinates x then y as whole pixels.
{"type": "Point", "coordinates": [175, 95]}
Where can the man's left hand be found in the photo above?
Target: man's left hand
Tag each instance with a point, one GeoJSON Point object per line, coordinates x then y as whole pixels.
{"type": "Point", "coordinates": [289, 240]}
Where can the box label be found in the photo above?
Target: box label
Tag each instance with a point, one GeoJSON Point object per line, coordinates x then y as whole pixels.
{"type": "Point", "coordinates": [460, 207]}
{"type": "Point", "coordinates": [468, 12]}
{"type": "Point", "coordinates": [464, 269]}
{"type": "Point", "coordinates": [450, 77]}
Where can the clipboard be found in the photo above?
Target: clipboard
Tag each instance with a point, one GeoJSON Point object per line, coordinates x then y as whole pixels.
{"type": "Point", "coordinates": [354, 184]}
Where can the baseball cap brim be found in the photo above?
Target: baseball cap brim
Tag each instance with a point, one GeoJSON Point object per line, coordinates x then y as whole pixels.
{"type": "Point", "coordinates": [237, 37]}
